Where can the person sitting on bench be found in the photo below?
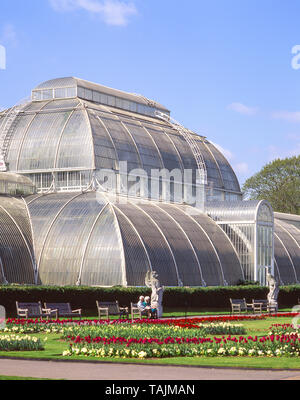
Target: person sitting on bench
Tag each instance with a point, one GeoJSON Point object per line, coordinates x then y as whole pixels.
{"type": "Point", "coordinates": [142, 307]}
{"type": "Point", "coordinates": [153, 310]}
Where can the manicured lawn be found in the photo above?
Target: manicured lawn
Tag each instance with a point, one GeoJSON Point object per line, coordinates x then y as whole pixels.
{"type": "Point", "coordinates": [54, 347]}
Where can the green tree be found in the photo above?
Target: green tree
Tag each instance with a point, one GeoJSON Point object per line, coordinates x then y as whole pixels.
{"type": "Point", "coordinates": [279, 183]}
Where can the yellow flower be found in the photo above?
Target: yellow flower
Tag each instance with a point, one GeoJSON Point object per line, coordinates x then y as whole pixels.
{"type": "Point", "coordinates": [142, 354]}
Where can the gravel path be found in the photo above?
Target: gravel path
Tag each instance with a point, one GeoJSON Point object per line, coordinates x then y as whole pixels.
{"type": "Point", "coordinates": [113, 372]}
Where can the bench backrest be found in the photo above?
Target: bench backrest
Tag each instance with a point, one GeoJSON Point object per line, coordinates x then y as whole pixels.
{"type": "Point", "coordinates": [238, 301]}
{"type": "Point", "coordinates": [61, 307]}
{"type": "Point", "coordinates": [113, 306]}
{"type": "Point", "coordinates": [34, 309]}
{"type": "Point", "coordinates": [260, 301]}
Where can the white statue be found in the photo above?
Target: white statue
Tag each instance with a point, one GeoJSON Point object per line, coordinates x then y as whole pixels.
{"type": "Point", "coordinates": [152, 282]}
{"type": "Point", "coordinates": [273, 288]}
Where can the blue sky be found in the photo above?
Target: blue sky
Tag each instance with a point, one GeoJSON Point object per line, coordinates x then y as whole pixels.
{"type": "Point", "coordinates": [223, 67]}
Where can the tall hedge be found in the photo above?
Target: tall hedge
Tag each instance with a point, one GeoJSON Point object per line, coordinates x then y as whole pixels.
{"type": "Point", "coordinates": [186, 298]}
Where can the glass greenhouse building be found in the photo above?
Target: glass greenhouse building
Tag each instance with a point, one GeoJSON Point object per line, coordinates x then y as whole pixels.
{"type": "Point", "coordinates": [99, 186]}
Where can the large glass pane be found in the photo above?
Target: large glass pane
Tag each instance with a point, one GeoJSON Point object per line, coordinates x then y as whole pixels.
{"type": "Point", "coordinates": [148, 152]}
{"type": "Point", "coordinates": [43, 211]}
{"type": "Point", "coordinates": [123, 143]}
{"type": "Point", "coordinates": [67, 241]}
{"type": "Point", "coordinates": [76, 148]}
{"type": "Point", "coordinates": [228, 175]}
{"type": "Point", "coordinates": [137, 263]}
{"type": "Point", "coordinates": [71, 92]}
{"type": "Point", "coordinates": [36, 95]}
{"type": "Point", "coordinates": [103, 257]}
{"type": "Point", "coordinates": [167, 149]}
{"type": "Point", "coordinates": [211, 270]}
{"type": "Point", "coordinates": [186, 261]}
{"type": "Point", "coordinates": [60, 93]}
{"type": "Point", "coordinates": [105, 153]}
{"type": "Point", "coordinates": [47, 94]}
{"type": "Point", "coordinates": [15, 250]}
{"type": "Point", "coordinates": [290, 238]}
{"type": "Point", "coordinates": [284, 263]}
{"type": "Point", "coordinates": [18, 132]}
{"type": "Point", "coordinates": [229, 261]}
{"type": "Point", "coordinates": [41, 141]}
{"type": "Point", "coordinates": [156, 246]}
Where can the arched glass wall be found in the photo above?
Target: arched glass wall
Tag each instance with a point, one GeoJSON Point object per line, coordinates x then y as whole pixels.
{"type": "Point", "coordinates": [265, 241]}
{"type": "Point", "coordinates": [92, 239]}
{"type": "Point", "coordinates": [17, 260]}
{"type": "Point", "coordinates": [250, 226]}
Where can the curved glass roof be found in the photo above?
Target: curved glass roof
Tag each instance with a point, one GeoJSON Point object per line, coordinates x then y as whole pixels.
{"type": "Point", "coordinates": [16, 245]}
{"type": "Point", "coordinates": [57, 83]}
{"type": "Point", "coordinates": [288, 218]}
{"type": "Point", "coordinates": [72, 134]}
{"type": "Point", "coordinates": [14, 184]}
{"type": "Point", "coordinates": [15, 178]}
{"type": "Point", "coordinates": [287, 252]}
{"type": "Point", "coordinates": [75, 87]}
{"type": "Point", "coordinates": [241, 211]}
{"type": "Point", "coordinates": [106, 243]}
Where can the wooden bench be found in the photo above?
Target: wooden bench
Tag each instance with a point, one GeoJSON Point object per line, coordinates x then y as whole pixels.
{"type": "Point", "coordinates": [240, 305]}
{"type": "Point", "coordinates": [137, 313]}
{"type": "Point", "coordinates": [259, 306]}
{"type": "Point", "coordinates": [107, 308]}
{"type": "Point", "coordinates": [31, 310]}
{"type": "Point", "coordinates": [62, 310]}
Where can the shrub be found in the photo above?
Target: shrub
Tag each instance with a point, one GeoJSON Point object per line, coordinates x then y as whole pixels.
{"type": "Point", "coordinates": [189, 298]}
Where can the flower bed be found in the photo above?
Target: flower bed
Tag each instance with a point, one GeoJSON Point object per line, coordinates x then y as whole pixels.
{"type": "Point", "coordinates": [178, 338]}
{"type": "Point", "coordinates": [56, 326]}
{"type": "Point", "coordinates": [174, 340]}
{"type": "Point", "coordinates": [39, 325]}
{"type": "Point", "coordinates": [20, 343]}
{"type": "Point", "coordinates": [284, 329]}
{"type": "Point", "coordinates": [142, 331]}
{"type": "Point", "coordinates": [33, 328]}
{"type": "Point", "coordinates": [270, 346]}
{"type": "Point", "coordinates": [205, 336]}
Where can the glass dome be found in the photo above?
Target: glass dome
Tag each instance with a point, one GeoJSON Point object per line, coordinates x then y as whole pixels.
{"type": "Point", "coordinates": [67, 139]}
